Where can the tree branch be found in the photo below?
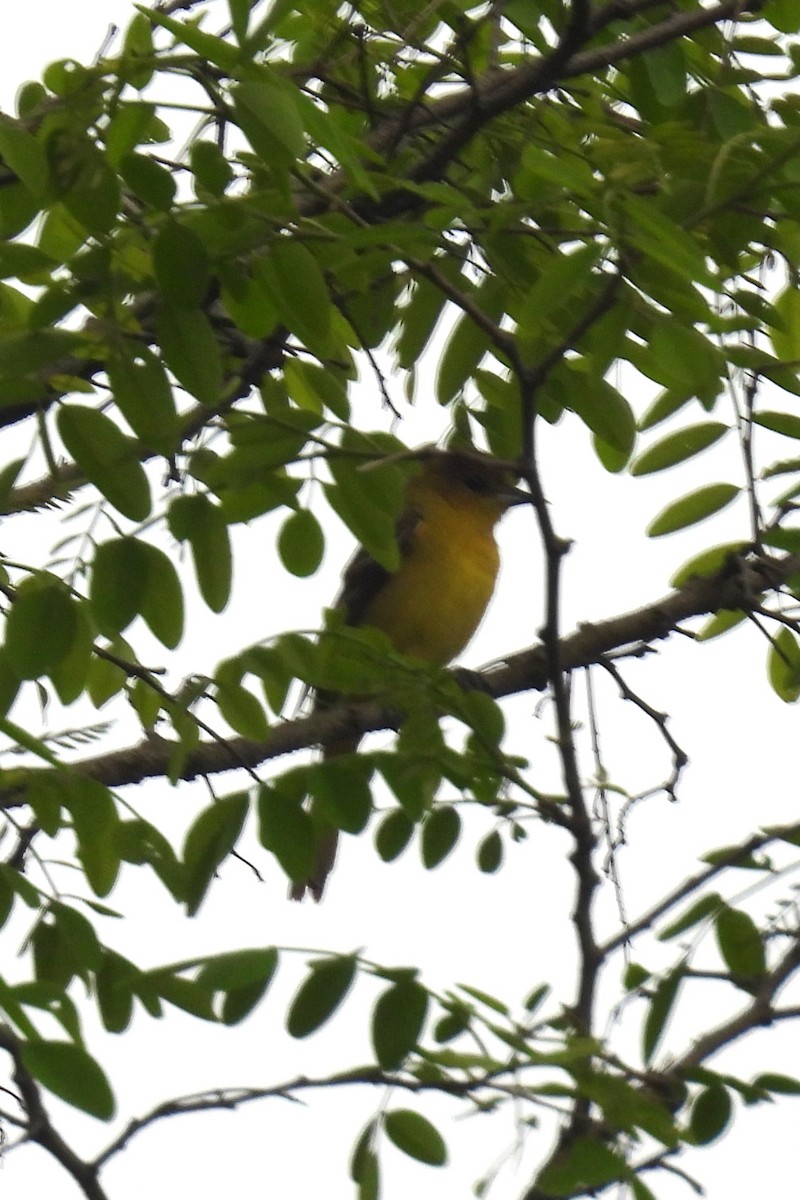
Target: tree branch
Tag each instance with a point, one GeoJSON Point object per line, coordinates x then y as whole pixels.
{"type": "Point", "coordinates": [40, 1128]}
{"type": "Point", "coordinates": [737, 586]}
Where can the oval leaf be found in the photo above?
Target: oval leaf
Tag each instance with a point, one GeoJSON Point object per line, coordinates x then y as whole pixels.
{"type": "Point", "coordinates": [286, 830]}
{"type": "Point", "coordinates": [190, 350]}
{"type": "Point", "coordinates": [740, 943]}
{"type": "Point", "coordinates": [707, 563]}
{"type": "Point", "coordinates": [490, 853]}
{"type": "Point", "coordinates": [320, 994]}
{"type": "Point", "coordinates": [664, 997]}
{"type": "Point", "coordinates": [397, 1022]}
{"type": "Point", "coordinates": [693, 508]}
{"type": "Point", "coordinates": [210, 839]}
{"type": "Point", "coordinates": [107, 458]}
{"type": "Point", "coordinates": [677, 447]}
{"type": "Point", "coordinates": [393, 834]}
{"type": "Point", "coordinates": [440, 833]}
{"type": "Point", "coordinates": [711, 1114]}
{"type": "Point", "coordinates": [301, 543]}
{"type": "Point", "coordinates": [783, 665]}
{"type": "Point", "coordinates": [71, 1074]}
{"type": "Point", "coordinates": [41, 626]}
{"type": "Point", "coordinates": [196, 520]}
{"type": "Point", "coordinates": [415, 1136]}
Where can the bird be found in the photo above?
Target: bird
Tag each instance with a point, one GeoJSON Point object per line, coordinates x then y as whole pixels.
{"type": "Point", "coordinates": [430, 607]}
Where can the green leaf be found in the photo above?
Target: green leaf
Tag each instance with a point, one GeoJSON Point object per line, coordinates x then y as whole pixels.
{"type": "Point", "coordinates": [562, 277]}
{"type": "Point", "coordinates": [720, 623]}
{"type": "Point", "coordinates": [244, 976]}
{"type": "Point", "coordinates": [687, 359]}
{"type": "Point", "coordinates": [634, 976]}
{"type": "Point", "coordinates": [131, 577]}
{"type": "Point", "coordinates": [144, 397]}
{"type": "Point", "coordinates": [782, 1084]}
{"type": "Point", "coordinates": [209, 841]}
{"type": "Point", "coordinates": [268, 115]}
{"type": "Point", "coordinates": [190, 350]}
{"type": "Point", "coordinates": [364, 1165]}
{"type": "Point", "coordinates": [24, 353]}
{"type": "Point", "coordinates": [70, 1073]}
{"type": "Point", "coordinates": [299, 292]}
{"type": "Point", "coordinates": [341, 789]}
{"type": "Point", "coordinates": [782, 15]}
{"type": "Point", "coordinates": [241, 709]}
{"type": "Point", "coordinates": [661, 1004]}
{"type": "Point", "coordinates": [708, 562]}
{"type": "Point", "coordinates": [418, 320]}
{"type": "Point", "coordinates": [137, 48]}
{"type": "Point", "coordinates": [95, 821]}
{"type": "Point", "coordinates": [301, 543]}
{"type": "Point", "coordinates": [181, 265]}
{"type": "Point", "coordinates": [785, 334]}
{"type": "Point", "coordinates": [711, 1114]}
{"type": "Point", "coordinates": [24, 154]}
{"type": "Point", "coordinates": [320, 994]}
{"type": "Point", "coordinates": [467, 344]}
{"type": "Point", "coordinates": [740, 943]}
{"type": "Point", "coordinates": [586, 1167]}
{"type": "Point", "coordinates": [185, 994]}
{"type": "Point", "coordinates": [119, 575]}
{"type": "Point", "coordinates": [114, 981]}
{"type": "Point", "coordinates": [210, 166]}
{"type": "Point", "coordinates": [660, 238]}
{"type": "Point", "coordinates": [697, 506]}
{"type": "Point", "coordinates": [786, 423]}
{"type": "Point", "coordinates": [603, 410]}
{"type": "Point", "coordinates": [148, 180]}
{"type": "Point", "coordinates": [41, 626]}
{"type": "Point", "coordinates": [490, 853]}
{"type": "Point", "coordinates": [393, 834]}
{"type": "Point", "coordinates": [397, 1022]}
{"type": "Point", "coordinates": [26, 263]}
{"type": "Point", "coordinates": [415, 1136]}
{"type": "Point", "coordinates": [227, 972]}
{"type": "Point", "coordinates": [783, 666]}
{"type": "Point", "coordinates": [440, 832]}
{"type": "Point", "coordinates": [196, 520]}
{"type": "Point", "coordinates": [706, 906]}
{"type": "Point", "coordinates": [665, 404]}
{"type": "Point", "coordinates": [209, 48]}
{"type": "Point", "coordinates": [129, 126]}
{"type": "Point", "coordinates": [161, 603]}
{"type": "Point", "coordinates": [286, 829]}
{"type": "Point", "coordinates": [83, 180]}
{"type": "Point", "coordinates": [370, 501]}
{"type": "Point", "coordinates": [677, 447]}
{"type": "Point", "coordinates": [484, 715]}
{"type": "Point", "coordinates": [107, 458]}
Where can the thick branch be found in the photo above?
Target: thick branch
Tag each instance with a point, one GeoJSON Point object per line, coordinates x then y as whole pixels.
{"type": "Point", "coordinates": [232, 1098]}
{"type": "Point", "coordinates": [736, 587]}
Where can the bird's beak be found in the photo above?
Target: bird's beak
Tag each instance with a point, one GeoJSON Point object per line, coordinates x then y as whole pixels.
{"type": "Point", "coordinates": [514, 496]}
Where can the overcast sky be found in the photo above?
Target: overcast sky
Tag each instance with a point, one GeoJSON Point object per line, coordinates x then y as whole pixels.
{"type": "Point", "coordinates": [506, 932]}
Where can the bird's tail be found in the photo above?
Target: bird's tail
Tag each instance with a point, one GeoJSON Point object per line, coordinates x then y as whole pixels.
{"type": "Point", "coordinates": [327, 836]}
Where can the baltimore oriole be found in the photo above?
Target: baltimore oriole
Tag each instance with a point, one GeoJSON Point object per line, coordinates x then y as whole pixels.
{"type": "Point", "coordinates": [432, 604]}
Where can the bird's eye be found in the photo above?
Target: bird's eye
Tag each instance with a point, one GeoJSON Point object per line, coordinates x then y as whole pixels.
{"type": "Point", "coordinates": [476, 483]}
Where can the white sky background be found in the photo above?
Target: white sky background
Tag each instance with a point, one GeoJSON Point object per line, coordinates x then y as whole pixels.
{"type": "Point", "coordinates": [507, 932]}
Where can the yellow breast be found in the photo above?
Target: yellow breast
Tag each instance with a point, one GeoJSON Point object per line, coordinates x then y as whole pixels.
{"type": "Point", "coordinates": [432, 605]}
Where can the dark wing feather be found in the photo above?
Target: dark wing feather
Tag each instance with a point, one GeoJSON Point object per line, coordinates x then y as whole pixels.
{"type": "Point", "coordinates": [362, 581]}
{"type": "Point", "coordinates": [364, 577]}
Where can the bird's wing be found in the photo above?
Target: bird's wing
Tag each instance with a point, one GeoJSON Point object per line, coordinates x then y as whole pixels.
{"type": "Point", "coordinates": [364, 577]}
